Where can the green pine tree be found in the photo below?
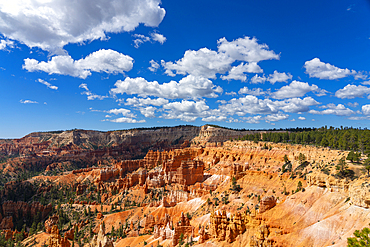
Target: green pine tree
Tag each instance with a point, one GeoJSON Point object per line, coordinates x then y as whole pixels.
{"type": "Point", "coordinates": [361, 238]}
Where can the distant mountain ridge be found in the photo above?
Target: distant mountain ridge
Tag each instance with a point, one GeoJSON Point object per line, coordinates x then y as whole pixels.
{"type": "Point", "coordinates": [38, 150]}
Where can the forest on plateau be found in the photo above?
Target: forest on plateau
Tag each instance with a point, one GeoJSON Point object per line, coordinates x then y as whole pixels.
{"type": "Point", "coordinates": [336, 138]}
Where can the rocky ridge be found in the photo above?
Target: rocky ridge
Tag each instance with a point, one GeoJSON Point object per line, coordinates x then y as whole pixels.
{"type": "Point", "coordinates": [220, 193]}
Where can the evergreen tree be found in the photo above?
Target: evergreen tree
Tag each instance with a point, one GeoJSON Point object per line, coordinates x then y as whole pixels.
{"type": "Point", "coordinates": [301, 158]}
{"type": "Point", "coordinates": [286, 159]}
{"type": "Point", "coordinates": [351, 156]}
{"type": "Point", "coordinates": [366, 164]}
{"type": "Point", "coordinates": [361, 238]}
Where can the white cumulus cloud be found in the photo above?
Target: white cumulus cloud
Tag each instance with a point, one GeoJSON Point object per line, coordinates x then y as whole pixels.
{"type": "Point", "coordinates": [140, 39]}
{"type": "Point", "coordinates": [366, 109]}
{"type": "Point", "coordinates": [125, 120]}
{"type": "Point", "coordinates": [207, 63]}
{"type": "Point", "coordinates": [332, 109]}
{"type": "Point", "coordinates": [108, 61]}
{"type": "Point", "coordinates": [185, 110]}
{"type": "Point", "coordinates": [6, 43]}
{"type": "Point", "coordinates": [123, 111]}
{"type": "Point", "coordinates": [321, 70]}
{"type": "Point", "coordinates": [238, 72]}
{"type": "Point", "coordinates": [158, 37]}
{"type": "Point", "coordinates": [296, 105]}
{"type": "Point", "coordinates": [154, 66]}
{"type": "Point", "coordinates": [276, 117]}
{"type": "Point", "coordinates": [188, 87]}
{"type": "Point", "coordinates": [137, 102]}
{"type": "Point", "coordinates": [352, 91]}
{"type": "Point", "coordinates": [52, 24]}
{"type": "Point", "coordinates": [254, 91]}
{"type": "Point", "coordinates": [252, 105]}
{"type": "Point", "coordinates": [148, 111]}
{"type": "Point", "coordinates": [258, 79]}
{"type": "Point", "coordinates": [294, 89]}
{"type": "Point", "coordinates": [279, 77]}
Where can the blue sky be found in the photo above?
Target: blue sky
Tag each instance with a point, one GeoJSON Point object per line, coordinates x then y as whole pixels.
{"type": "Point", "coordinates": [119, 64]}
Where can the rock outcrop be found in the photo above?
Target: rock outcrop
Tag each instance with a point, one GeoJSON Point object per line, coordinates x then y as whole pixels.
{"type": "Point", "coordinates": [267, 203]}
{"type": "Point", "coordinates": [55, 240]}
{"type": "Point", "coordinates": [224, 228]}
{"type": "Point", "coordinates": [101, 240]}
{"type": "Point", "coordinates": [183, 229]}
{"type": "Point", "coordinates": [49, 223]}
{"type": "Point", "coordinates": [10, 209]}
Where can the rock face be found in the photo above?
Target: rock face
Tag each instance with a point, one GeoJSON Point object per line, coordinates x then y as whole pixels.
{"type": "Point", "coordinates": [10, 209]}
{"type": "Point", "coordinates": [267, 203]}
{"type": "Point", "coordinates": [197, 179]}
{"type": "Point", "coordinates": [49, 223]}
{"type": "Point", "coordinates": [184, 229]}
{"type": "Point", "coordinates": [260, 239]}
{"type": "Point", "coordinates": [55, 240]}
{"type": "Point", "coordinates": [100, 240]}
{"type": "Point", "coordinates": [224, 228]}
{"type": "Point", "coordinates": [7, 223]}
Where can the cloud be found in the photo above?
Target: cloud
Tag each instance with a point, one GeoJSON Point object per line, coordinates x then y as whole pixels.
{"type": "Point", "coordinates": [279, 77]}
{"type": "Point", "coordinates": [268, 118]}
{"type": "Point", "coordinates": [252, 105]}
{"type": "Point", "coordinates": [253, 120]}
{"type": "Point", "coordinates": [127, 116]}
{"type": "Point", "coordinates": [207, 63]}
{"type": "Point", "coordinates": [254, 91]}
{"type": "Point", "coordinates": [154, 66]}
{"type": "Point", "coordinates": [332, 109]}
{"type": "Point", "coordinates": [321, 92]}
{"type": "Point", "coordinates": [27, 101]}
{"type": "Point", "coordinates": [276, 117]}
{"type": "Point", "coordinates": [230, 93]}
{"type": "Point", "coordinates": [237, 73]}
{"type": "Point", "coordinates": [189, 111]}
{"type": "Point", "coordinates": [138, 102]}
{"type": "Point", "coordinates": [246, 49]}
{"type": "Point", "coordinates": [158, 37]}
{"type": "Point", "coordinates": [214, 119]}
{"type": "Point", "coordinates": [124, 112]}
{"type": "Point", "coordinates": [108, 61]}
{"type": "Point", "coordinates": [352, 91]}
{"type": "Point", "coordinates": [318, 69]}
{"type": "Point", "coordinates": [125, 120]}
{"type": "Point", "coordinates": [6, 43]}
{"type": "Point", "coordinates": [52, 24]}
{"type": "Point", "coordinates": [248, 105]}
{"type": "Point", "coordinates": [140, 39]}
{"type": "Point", "coordinates": [301, 118]}
{"type": "Point", "coordinates": [204, 62]}
{"type": "Point", "coordinates": [47, 84]}
{"type": "Point", "coordinates": [296, 105]}
{"type": "Point", "coordinates": [355, 104]}
{"type": "Point", "coordinates": [188, 87]}
{"type": "Point", "coordinates": [90, 95]}
{"type": "Point", "coordinates": [148, 111]}
{"type": "Point", "coordinates": [366, 110]}
{"type": "Point", "coordinates": [258, 79]}
{"type": "Point", "coordinates": [186, 110]}
{"type": "Point", "coordinates": [294, 89]}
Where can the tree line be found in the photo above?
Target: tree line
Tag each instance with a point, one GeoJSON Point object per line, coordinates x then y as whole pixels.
{"type": "Point", "coordinates": [348, 138]}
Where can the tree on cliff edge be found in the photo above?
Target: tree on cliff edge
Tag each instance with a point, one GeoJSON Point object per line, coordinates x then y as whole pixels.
{"type": "Point", "coordinates": [361, 238]}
